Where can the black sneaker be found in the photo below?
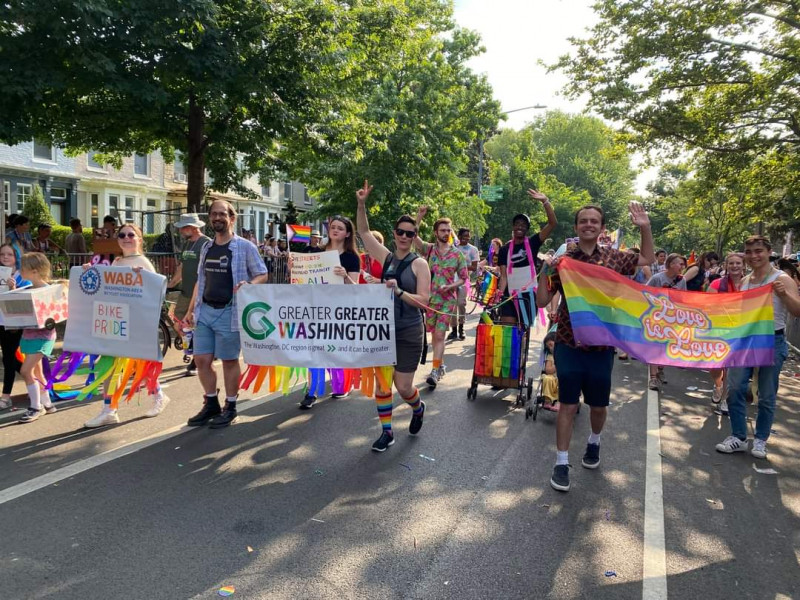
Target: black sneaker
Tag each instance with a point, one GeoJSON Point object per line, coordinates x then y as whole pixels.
{"type": "Point", "coordinates": [226, 417]}
{"type": "Point", "coordinates": [453, 336]}
{"type": "Point", "coordinates": [340, 396]}
{"type": "Point", "coordinates": [210, 410]}
{"type": "Point", "coordinates": [307, 402]}
{"type": "Point", "coordinates": [383, 442]}
{"type": "Point", "coordinates": [591, 458]}
{"type": "Point", "coordinates": [461, 335]}
{"type": "Point", "coordinates": [560, 479]}
{"type": "Point", "coordinates": [416, 422]}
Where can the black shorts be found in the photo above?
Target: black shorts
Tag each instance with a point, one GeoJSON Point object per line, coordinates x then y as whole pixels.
{"type": "Point", "coordinates": [586, 371]}
{"type": "Point", "coordinates": [509, 309]}
{"type": "Point", "coordinates": [409, 342]}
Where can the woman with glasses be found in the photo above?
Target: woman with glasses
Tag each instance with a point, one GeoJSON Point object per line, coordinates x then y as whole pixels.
{"type": "Point", "coordinates": [410, 279]}
{"type": "Point", "coordinates": [131, 242]}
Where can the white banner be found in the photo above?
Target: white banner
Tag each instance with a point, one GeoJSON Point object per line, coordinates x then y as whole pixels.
{"type": "Point", "coordinates": [114, 311]}
{"type": "Point", "coordinates": [315, 267]}
{"type": "Point", "coordinates": [332, 327]}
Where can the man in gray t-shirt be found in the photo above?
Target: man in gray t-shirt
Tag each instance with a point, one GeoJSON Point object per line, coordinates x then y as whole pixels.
{"type": "Point", "coordinates": [670, 277]}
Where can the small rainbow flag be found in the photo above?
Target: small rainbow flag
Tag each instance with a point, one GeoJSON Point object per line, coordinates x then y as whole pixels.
{"type": "Point", "coordinates": [664, 326]}
{"type": "Point", "coordinates": [299, 233]}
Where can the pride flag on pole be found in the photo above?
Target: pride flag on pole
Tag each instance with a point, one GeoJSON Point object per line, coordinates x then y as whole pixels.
{"type": "Point", "coordinates": [664, 326]}
{"type": "Point", "coordinates": [299, 233]}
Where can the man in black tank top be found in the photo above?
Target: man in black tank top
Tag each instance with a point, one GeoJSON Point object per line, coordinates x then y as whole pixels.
{"type": "Point", "coordinates": [410, 279]}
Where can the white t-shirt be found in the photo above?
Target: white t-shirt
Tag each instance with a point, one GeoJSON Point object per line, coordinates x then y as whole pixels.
{"type": "Point", "coordinates": [470, 253]}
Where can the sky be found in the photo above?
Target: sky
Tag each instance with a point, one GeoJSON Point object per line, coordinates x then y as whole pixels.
{"type": "Point", "coordinates": [518, 35]}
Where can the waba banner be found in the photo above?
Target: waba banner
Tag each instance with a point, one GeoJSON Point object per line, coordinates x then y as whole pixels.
{"type": "Point", "coordinates": [114, 311]}
{"type": "Point", "coordinates": [317, 326]}
{"type": "Point", "coordinates": [663, 326]}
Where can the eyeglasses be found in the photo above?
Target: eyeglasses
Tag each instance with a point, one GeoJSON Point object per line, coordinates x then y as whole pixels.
{"type": "Point", "coordinates": [130, 235]}
{"type": "Point", "coordinates": [410, 234]}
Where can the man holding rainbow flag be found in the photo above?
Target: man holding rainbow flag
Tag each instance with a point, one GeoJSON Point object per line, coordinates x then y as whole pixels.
{"type": "Point", "coordinates": [587, 369]}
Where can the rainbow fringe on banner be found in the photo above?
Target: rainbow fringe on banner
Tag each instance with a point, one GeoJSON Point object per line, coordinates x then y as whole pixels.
{"type": "Point", "coordinates": [668, 327]}
{"type": "Point", "coordinates": [277, 378]}
{"type": "Point", "coordinates": [299, 233]}
{"type": "Point", "coordinates": [487, 289]}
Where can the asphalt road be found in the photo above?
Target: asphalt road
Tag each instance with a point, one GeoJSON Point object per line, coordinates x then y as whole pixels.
{"type": "Point", "coordinates": [292, 504]}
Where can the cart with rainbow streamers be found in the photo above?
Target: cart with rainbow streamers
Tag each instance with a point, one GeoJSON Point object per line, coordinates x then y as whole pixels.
{"type": "Point", "coordinates": [501, 356]}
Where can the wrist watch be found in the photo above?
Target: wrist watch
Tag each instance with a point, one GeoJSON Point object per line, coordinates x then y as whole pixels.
{"type": "Point", "coordinates": [402, 291]}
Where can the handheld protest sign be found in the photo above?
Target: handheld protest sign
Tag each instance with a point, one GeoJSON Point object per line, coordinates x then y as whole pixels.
{"type": "Point", "coordinates": [114, 311]}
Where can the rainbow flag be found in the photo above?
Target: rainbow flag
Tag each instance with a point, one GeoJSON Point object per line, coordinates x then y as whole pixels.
{"type": "Point", "coordinates": [663, 326]}
{"type": "Point", "coordinates": [299, 233]}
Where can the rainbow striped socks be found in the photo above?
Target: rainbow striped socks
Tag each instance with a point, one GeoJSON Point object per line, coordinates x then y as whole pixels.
{"type": "Point", "coordinates": [384, 406]}
{"type": "Point", "coordinates": [415, 403]}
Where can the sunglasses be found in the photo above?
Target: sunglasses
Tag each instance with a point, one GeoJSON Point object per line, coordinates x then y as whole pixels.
{"type": "Point", "coordinates": [130, 235]}
{"type": "Point", "coordinates": [405, 232]}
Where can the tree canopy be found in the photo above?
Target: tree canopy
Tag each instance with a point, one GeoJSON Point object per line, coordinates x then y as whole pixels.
{"type": "Point", "coordinates": [225, 82]}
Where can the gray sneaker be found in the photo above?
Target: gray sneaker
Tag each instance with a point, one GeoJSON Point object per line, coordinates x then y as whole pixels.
{"type": "Point", "coordinates": [433, 378]}
{"type": "Point", "coordinates": [560, 479]}
{"type": "Point", "coordinates": [442, 372]}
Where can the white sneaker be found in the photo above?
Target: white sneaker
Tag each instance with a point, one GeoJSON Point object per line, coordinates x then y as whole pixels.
{"type": "Point", "coordinates": [442, 372]}
{"type": "Point", "coordinates": [160, 401]}
{"type": "Point", "coordinates": [732, 444]}
{"type": "Point", "coordinates": [50, 408]}
{"type": "Point", "coordinates": [5, 402]}
{"type": "Point", "coordinates": [106, 417]}
{"type": "Point", "coordinates": [716, 397]}
{"type": "Point", "coordinates": [759, 449]}
{"type": "Point", "coordinates": [433, 378]}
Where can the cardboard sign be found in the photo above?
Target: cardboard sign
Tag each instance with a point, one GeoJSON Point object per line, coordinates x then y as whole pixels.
{"type": "Point", "coordinates": [316, 268]}
{"type": "Point", "coordinates": [5, 275]}
{"type": "Point", "coordinates": [33, 308]}
{"type": "Point", "coordinates": [317, 326]}
{"type": "Point", "coordinates": [114, 311]}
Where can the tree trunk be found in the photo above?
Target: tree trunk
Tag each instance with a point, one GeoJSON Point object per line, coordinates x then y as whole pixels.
{"type": "Point", "coordinates": [196, 164]}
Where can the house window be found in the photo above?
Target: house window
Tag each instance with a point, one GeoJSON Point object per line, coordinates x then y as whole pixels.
{"type": "Point", "coordinates": [149, 217]}
{"type": "Point", "coordinates": [287, 190]}
{"type": "Point", "coordinates": [58, 194]}
{"type": "Point", "coordinates": [306, 197]}
{"type": "Point", "coordinates": [24, 191]}
{"type": "Point", "coordinates": [130, 202]}
{"type": "Point", "coordinates": [95, 201]}
{"type": "Point", "coordinates": [92, 162]}
{"type": "Point", "coordinates": [7, 197]}
{"type": "Point", "coordinates": [141, 165]}
{"type": "Point", "coordinates": [266, 188]}
{"type": "Point", "coordinates": [180, 168]}
{"type": "Point", "coordinates": [43, 151]}
{"type": "Point", "coordinates": [113, 206]}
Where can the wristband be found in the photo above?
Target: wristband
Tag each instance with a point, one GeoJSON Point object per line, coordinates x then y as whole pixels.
{"type": "Point", "coordinates": [401, 293]}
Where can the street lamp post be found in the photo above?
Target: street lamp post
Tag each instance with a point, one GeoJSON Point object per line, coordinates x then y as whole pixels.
{"type": "Point", "coordinates": [480, 143]}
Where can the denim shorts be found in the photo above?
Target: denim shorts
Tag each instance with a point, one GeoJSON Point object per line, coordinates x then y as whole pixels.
{"type": "Point", "coordinates": [586, 371]}
{"type": "Point", "coordinates": [213, 333]}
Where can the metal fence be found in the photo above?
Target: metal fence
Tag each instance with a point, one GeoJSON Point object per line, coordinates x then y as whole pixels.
{"type": "Point", "coordinates": [164, 263]}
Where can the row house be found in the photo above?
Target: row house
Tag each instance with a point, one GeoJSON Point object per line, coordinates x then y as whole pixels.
{"type": "Point", "coordinates": [146, 190]}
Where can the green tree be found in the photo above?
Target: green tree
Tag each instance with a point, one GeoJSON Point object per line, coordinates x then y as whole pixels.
{"type": "Point", "coordinates": [426, 110]}
{"type": "Point", "coordinates": [222, 81]}
{"type": "Point", "coordinates": [36, 209]}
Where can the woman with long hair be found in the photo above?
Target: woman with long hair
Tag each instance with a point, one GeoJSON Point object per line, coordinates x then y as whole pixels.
{"type": "Point", "coordinates": [730, 282]}
{"type": "Point", "coordinates": [131, 242]}
{"type": "Point", "coordinates": [9, 338]}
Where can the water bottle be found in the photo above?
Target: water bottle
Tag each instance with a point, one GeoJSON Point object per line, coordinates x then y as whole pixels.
{"type": "Point", "coordinates": [188, 350]}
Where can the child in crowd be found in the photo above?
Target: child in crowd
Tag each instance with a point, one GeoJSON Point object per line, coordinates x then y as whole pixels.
{"type": "Point", "coordinates": [9, 338]}
{"type": "Point", "coordinates": [549, 377]}
{"type": "Point", "coordinates": [35, 343]}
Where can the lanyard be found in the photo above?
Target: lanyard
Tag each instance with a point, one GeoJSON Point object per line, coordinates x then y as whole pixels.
{"type": "Point", "coordinates": [531, 264]}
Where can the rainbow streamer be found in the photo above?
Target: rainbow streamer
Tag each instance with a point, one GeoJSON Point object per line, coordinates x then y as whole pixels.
{"type": "Point", "coordinates": [664, 326]}
{"type": "Point", "coordinates": [299, 233]}
{"type": "Point", "coordinates": [277, 378]}
{"type": "Point", "coordinates": [487, 289]}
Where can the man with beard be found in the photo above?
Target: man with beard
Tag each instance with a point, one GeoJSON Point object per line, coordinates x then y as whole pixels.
{"type": "Point", "coordinates": [190, 227]}
{"type": "Point", "coordinates": [472, 257]}
{"type": "Point", "coordinates": [448, 272]}
{"type": "Point", "coordinates": [226, 264]}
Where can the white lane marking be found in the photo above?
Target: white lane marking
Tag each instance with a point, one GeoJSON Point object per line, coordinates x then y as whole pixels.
{"type": "Point", "coordinates": [654, 575]}
{"type": "Point", "coordinates": [37, 483]}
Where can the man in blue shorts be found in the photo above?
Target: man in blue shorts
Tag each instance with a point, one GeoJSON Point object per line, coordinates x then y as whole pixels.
{"type": "Point", "coordinates": [226, 264]}
{"type": "Point", "coordinates": [587, 369]}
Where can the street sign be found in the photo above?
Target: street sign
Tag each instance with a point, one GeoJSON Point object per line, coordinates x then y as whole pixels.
{"type": "Point", "coordinates": [491, 193]}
